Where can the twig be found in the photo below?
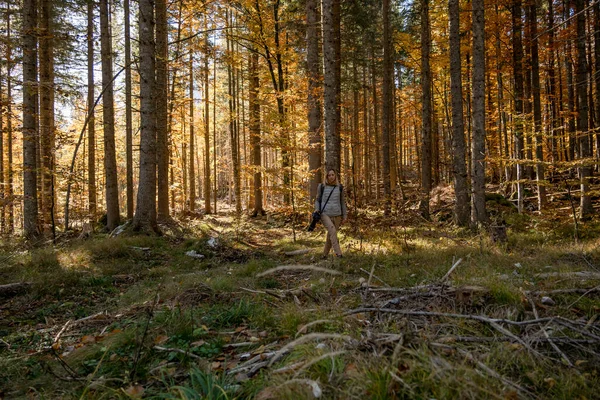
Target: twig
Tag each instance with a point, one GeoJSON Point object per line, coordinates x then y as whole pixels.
{"type": "Point", "coordinates": [59, 334]}
{"type": "Point", "coordinates": [174, 350]}
{"type": "Point", "coordinates": [303, 328]}
{"type": "Point", "coordinates": [554, 346]}
{"type": "Point", "coordinates": [597, 288]}
{"type": "Point", "coordinates": [316, 360]}
{"type": "Point", "coordinates": [139, 349]}
{"type": "Point", "coordinates": [375, 276]}
{"type": "Point", "coordinates": [565, 291]}
{"type": "Point", "coordinates": [456, 264]}
{"type": "Point", "coordinates": [304, 339]}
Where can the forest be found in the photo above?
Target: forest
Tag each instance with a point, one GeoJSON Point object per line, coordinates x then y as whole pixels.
{"type": "Point", "coordinates": [160, 162]}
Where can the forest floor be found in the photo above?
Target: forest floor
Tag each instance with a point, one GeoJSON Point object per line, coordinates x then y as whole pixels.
{"type": "Point", "coordinates": [226, 308]}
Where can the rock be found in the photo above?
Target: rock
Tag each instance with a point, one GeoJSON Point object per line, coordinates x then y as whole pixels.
{"type": "Point", "coordinates": [194, 254]}
{"type": "Point", "coordinates": [548, 301]}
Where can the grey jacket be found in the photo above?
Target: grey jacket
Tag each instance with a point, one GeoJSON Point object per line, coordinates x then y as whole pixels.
{"type": "Point", "coordinates": [337, 202]}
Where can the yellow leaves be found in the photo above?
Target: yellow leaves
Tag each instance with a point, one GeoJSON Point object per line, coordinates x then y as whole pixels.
{"type": "Point", "coordinates": [135, 391]}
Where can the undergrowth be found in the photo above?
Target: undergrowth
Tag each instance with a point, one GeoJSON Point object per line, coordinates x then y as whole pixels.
{"type": "Point", "coordinates": [138, 317]}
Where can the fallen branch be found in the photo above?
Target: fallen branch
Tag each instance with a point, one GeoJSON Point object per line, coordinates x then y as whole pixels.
{"type": "Point", "coordinates": [298, 267]}
{"type": "Point", "coordinates": [578, 274]}
{"type": "Point", "coordinates": [174, 350]}
{"type": "Point", "coordinates": [13, 289]}
{"type": "Point", "coordinates": [554, 346]}
{"type": "Point", "coordinates": [317, 359]}
{"type": "Point", "coordinates": [303, 328]}
{"type": "Point", "coordinates": [375, 276]}
{"type": "Point", "coordinates": [304, 339]}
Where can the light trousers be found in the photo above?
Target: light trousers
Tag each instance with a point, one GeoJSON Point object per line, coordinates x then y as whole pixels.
{"type": "Point", "coordinates": [332, 224]}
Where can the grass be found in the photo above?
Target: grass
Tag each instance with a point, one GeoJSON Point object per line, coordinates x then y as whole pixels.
{"type": "Point", "coordinates": [175, 325]}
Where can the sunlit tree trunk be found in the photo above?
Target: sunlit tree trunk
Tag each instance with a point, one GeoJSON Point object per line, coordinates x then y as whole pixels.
{"type": "Point", "coordinates": [426, 110]}
{"type": "Point", "coordinates": [478, 212]}
{"type": "Point", "coordinates": [92, 199]}
{"type": "Point", "coordinates": [517, 44]}
{"type": "Point", "coordinates": [597, 72]}
{"type": "Point", "coordinates": [192, 145]}
{"type": "Point", "coordinates": [162, 145]}
{"type": "Point", "coordinates": [314, 97]}
{"type": "Point", "coordinates": [254, 126]}
{"type": "Point", "coordinates": [145, 213]}
{"type": "Point", "coordinates": [207, 207]}
{"type": "Point", "coordinates": [30, 128]}
{"type": "Point", "coordinates": [388, 102]}
{"type": "Point", "coordinates": [461, 206]}
{"type": "Point", "coordinates": [110, 161]}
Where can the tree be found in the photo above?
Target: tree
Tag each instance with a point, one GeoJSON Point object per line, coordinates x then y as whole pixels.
{"type": "Point", "coordinates": [162, 143]}
{"type": "Point", "coordinates": [313, 67]}
{"type": "Point", "coordinates": [332, 134]}
{"type": "Point", "coordinates": [388, 105]}
{"type": "Point", "coordinates": [478, 213]}
{"type": "Point", "coordinates": [207, 208]}
{"type": "Point", "coordinates": [128, 111]}
{"type": "Point", "coordinates": [110, 160]}
{"type": "Point", "coordinates": [585, 170]}
{"type": "Point", "coordinates": [461, 190]}
{"type": "Point", "coordinates": [254, 106]}
{"type": "Point", "coordinates": [30, 128]}
{"type": "Point", "coordinates": [92, 206]}
{"type": "Point", "coordinates": [192, 145]}
{"type": "Point", "coordinates": [145, 214]}
{"type": "Point", "coordinates": [46, 90]}
{"type": "Point", "coordinates": [517, 45]}
{"type": "Point", "coordinates": [426, 109]}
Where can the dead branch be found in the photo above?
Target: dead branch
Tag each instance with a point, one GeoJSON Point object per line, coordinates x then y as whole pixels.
{"type": "Point", "coordinates": [554, 346]}
{"type": "Point", "coordinates": [298, 267]}
{"type": "Point", "coordinates": [456, 264]}
{"type": "Point", "coordinates": [13, 289]}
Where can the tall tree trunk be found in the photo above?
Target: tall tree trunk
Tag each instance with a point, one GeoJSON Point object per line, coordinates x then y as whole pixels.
{"type": "Point", "coordinates": [233, 130]}
{"type": "Point", "coordinates": [2, 172]}
{"type": "Point", "coordinates": [91, 98]}
{"type": "Point", "coordinates": [426, 110]}
{"type": "Point", "coordinates": [110, 161]}
{"type": "Point", "coordinates": [517, 44]}
{"type": "Point", "coordinates": [554, 124]}
{"type": "Point", "coordinates": [46, 89]}
{"type": "Point", "coordinates": [478, 213]}
{"type": "Point", "coordinates": [192, 169]}
{"type": "Point", "coordinates": [461, 190]}
{"type": "Point", "coordinates": [9, 132]}
{"type": "Point", "coordinates": [207, 208]}
{"type": "Point", "coordinates": [314, 97]}
{"type": "Point", "coordinates": [597, 72]}
{"type": "Point", "coordinates": [128, 111]}
{"type": "Point", "coordinates": [145, 213]}
{"type": "Point", "coordinates": [254, 127]}
{"type": "Point", "coordinates": [585, 171]}
{"type": "Point", "coordinates": [387, 112]}
{"type": "Point", "coordinates": [162, 143]}
{"type": "Point", "coordinates": [30, 127]}
{"type": "Point", "coordinates": [332, 134]}
{"type": "Point", "coordinates": [537, 105]}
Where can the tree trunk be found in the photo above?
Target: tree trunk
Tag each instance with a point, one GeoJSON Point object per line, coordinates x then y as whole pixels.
{"type": "Point", "coordinates": [517, 44]}
{"type": "Point", "coordinates": [145, 213]}
{"type": "Point", "coordinates": [233, 130]}
{"type": "Point", "coordinates": [254, 127]}
{"type": "Point", "coordinates": [426, 110]}
{"type": "Point", "coordinates": [30, 128]}
{"type": "Point", "coordinates": [128, 112]}
{"type": "Point", "coordinates": [388, 102]}
{"type": "Point", "coordinates": [461, 190]}
{"type": "Point", "coordinates": [91, 98]}
{"type": "Point", "coordinates": [537, 105]}
{"type": "Point", "coordinates": [585, 171]}
{"type": "Point", "coordinates": [110, 161]}
{"type": "Point", "coordinates": [478, 212]}
{"type": "Point", "coordinates": [46, 89]}
{"type": "Point", "coordinates": [314, 97]}
{"type": "Point", "coordinates": [332, 134]}
{"type": "Point", "coordinates": [554, 124]}
{"type": "Point", "coordinates": [162, 143]}
{"type": "Point", "coordinates": [597, 72]}
{"type": "Point", "coordinates": [192, 169]}
{"type": "Point", "coordinates": [9, 132]}
{"type": "Point", "coordinates": [207, 208]}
